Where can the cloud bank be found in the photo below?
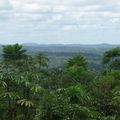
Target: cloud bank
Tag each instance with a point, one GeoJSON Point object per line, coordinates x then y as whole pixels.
{"type": "Point", "coordinates": [57, 19]}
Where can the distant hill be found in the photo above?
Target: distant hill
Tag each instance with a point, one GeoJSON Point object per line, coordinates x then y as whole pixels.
{"type": "Point", "coordinates": [59, 53]}
{"type": "Point", "coordinates": [72, 45]}
{"type": "Point", "coordinates": [30, 44]}
{"type": "Point", "coordinates": [34, 48]}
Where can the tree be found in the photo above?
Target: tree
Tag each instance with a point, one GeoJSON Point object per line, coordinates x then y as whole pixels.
{"type": "Point", "coordinates": [77, 70]}
{"type": "Point", "coordinates": [77, 61]}
{"type": "Point", "coordinates": [112, 58]}
{"type": "Point", "coordinates": [105, 93]}
{"type": "Point", "coordinates": [13, 52]}
{"type": "Point", "coordinates": [41, 60]}
{"type": "Point", "coordinates": [31, 91]}
{"type": "Point", "coordinates": [19, 88]}
{"type": "Point", "coordinates": [72, 103]}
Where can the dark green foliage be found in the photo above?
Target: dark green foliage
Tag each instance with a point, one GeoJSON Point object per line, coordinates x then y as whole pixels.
{"type": "Point", "coordinates": [29, 90]}
{"type": "Point", "coordinates": [112, 58]}
{"type": "Point", "coordinates": [41, 61]}
{"type": "Point", "coordinates": [77, 61]}
{"type": "Point", "coordinates": [13, 52]}
{"type": "Point", "coordinates": [77, 70]}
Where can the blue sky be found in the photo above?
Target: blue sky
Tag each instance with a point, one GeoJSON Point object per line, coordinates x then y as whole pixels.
{"type": "Point", "coordinates": [60, 21]}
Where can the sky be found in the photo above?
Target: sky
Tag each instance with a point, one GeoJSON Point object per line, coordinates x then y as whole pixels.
{"type": "Point", "coordinates": [60, 21]}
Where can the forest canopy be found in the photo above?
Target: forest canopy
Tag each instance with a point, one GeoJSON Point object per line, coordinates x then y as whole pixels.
{"type": "Point", "coordinates": [30, 90]}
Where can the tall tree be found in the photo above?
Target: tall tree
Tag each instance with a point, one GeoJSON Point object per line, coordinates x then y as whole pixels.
{"type": "Point", "coordinates": [112, 58]}
{"type": "Point", "coordinates": [13, 52]}
{"type": "Point", "coordinates": [41, 60]}
{"type": "Point", "coordinates": [77, 69]}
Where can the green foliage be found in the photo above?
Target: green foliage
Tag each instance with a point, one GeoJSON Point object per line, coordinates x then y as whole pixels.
{"type": "Point", "coordinates": [41, 60]}
{"type": "Point", "coordinates": [76, 64]}
{"type": "Point", "coordinates": [77, 61]}
{"type": "Point", "coordinates": [29, 90]}
{"type": "Point", "coordinates": [13, 52]}
{"type": "Point", "coordinates": [72, 103]}
{"type": "Point", "coordinates": [112, 58]}
{"type": "Point", "coordinates": [104, 92]}
{"type": "Point", "coordinates": [25, 102]}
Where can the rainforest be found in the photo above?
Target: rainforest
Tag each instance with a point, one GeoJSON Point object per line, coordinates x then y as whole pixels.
{"type": "Point", "coordinates": [32, 87]}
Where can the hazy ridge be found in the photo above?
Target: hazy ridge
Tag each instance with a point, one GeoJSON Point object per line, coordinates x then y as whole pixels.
{"type": "Point", "coordinates": [60, 53]}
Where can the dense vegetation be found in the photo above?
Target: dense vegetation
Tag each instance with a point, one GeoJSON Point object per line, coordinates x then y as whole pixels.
{"type": "Point", "coordinates": [30, 90]}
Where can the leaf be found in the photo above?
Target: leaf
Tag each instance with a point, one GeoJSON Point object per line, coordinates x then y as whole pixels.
{"type": "Point", "coordinates": [25, 102]}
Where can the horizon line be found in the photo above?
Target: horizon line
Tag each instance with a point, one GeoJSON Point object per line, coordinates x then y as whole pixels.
{"type": "Point", "coordinates": [35, 43]}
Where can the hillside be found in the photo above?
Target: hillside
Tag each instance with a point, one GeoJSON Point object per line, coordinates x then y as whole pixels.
{"type": "Point", "coordinates": [60, 53]}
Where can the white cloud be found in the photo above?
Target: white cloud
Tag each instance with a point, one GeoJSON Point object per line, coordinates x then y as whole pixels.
{"type": "Point", "coordinates": [5, 5]}
{"type": "Point", "coordinates": [63, 15]}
